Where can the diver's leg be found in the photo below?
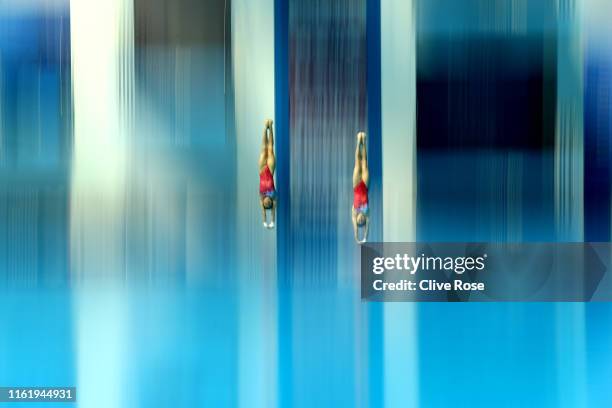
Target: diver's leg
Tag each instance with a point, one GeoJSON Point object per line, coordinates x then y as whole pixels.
{"type": "Point", "coordinates": [357, 168]}
{"type": "Point", "coordinates": [271, 158]}
{"type": "Point", "coordinates": [264, 142]}
{"type": "Point", "coordinates": [263, 156]}
{"type": "Point", "coordinates": [271, 134]}
{"type": "Point", "coordinates": [263, 160]}
{"type": "Point", "coordinates": [365, 173]}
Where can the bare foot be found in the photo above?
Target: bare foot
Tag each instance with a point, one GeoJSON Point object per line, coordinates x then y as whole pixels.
{"type": "Point", "coordinates": [361, 136]}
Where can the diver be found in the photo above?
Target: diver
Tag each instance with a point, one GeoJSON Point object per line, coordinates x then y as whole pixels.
{"type": "Point", "coordinates": [267, 165]}
{"type": "Point", "coordinates": [361, 179]}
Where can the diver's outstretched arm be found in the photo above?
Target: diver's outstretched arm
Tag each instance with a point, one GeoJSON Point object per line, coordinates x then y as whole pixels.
{"type": "Point", "coordinates": [362, 240]}
{"type": "Point", "coordinates": [354, 221]}
{"type": "Point", "coordinates": [272, 214]}
{"type": "Point", "coordinates": [356, 228]}
{"type": "Point", "coordinates": [365, 230]}
{"type": "Point", "coordinates": [263, 213]}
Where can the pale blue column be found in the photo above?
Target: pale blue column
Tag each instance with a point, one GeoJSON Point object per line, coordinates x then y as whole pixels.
{"type": "Point", "coordinates": [398, 83]}
{"type": "Point", "coordinates": [569, 208]}
{"type": "Point", "coordinates": [253, 74]}
{"type": "Point", "coordinates": [102, 61]}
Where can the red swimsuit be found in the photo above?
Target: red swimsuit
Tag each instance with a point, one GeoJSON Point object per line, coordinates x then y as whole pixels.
{"type": "Point", "coordinates": [360, 196]}
{"type": "Point", "coordinates": [266, 182]}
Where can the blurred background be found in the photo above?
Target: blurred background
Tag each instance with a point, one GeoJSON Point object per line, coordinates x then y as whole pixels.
{"type": "Point", "coordinates": [133, 263]}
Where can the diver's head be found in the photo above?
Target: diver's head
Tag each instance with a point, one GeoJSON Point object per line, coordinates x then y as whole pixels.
{"type": "Point", "coordinates": [267, 203]}
{"type": "Point", "coordinates": [361, 219]}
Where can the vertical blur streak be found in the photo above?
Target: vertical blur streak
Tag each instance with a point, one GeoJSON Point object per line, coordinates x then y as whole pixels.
{"type": "Point", "coordinates": [34, 140]}
{"type": "Point", "coordinates": [1, 114]}
{"type": "Point", "coordinates": [569, 124]}
{"type": "Point", "coordinates": [328, 108]}
{"type": "Point", "coordinates": [398, 76]}
{"type": "Point", "coordinates": [253, 71]}
{"type": "Point", "coordinates": [569, 204]}
{"type": "Point", "coordinates": [327, 94]}
{"type": "Point", "coordinates": [486, 118]}
{"type": "Point", "coordinates": [101, 85]}
{"type": "Point", "coordinates": [102, 78]}
{"type": "Point", "coordinates": [34, 143]}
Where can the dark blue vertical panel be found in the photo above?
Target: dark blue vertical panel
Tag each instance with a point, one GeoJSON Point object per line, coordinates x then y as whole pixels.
{"type": "Point", "coordinates": [374, 116]}
{"type": "Point", "coordinates": [597, 149]}
{"type": "Point", "coordinates": [375, 310]}
{"type": "Point", "coordinates": [485, 144]}
{"type": "Point", "coordinates": [597, 219]}
{"type": "Point", "coordinates": [321, 104]}
{"type": "Point", "coordinates": [485, 125]}
{"type": "Point", "coordinates": [281, 117]}
{"type": "Point", "coordinates": [35, 62]}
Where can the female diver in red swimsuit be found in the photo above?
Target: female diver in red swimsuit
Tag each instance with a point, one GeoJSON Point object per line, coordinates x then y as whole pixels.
{"type": "Point", "coordinates": [267, 165]}
{"type": "Point", "coordinates": [361, 180]}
